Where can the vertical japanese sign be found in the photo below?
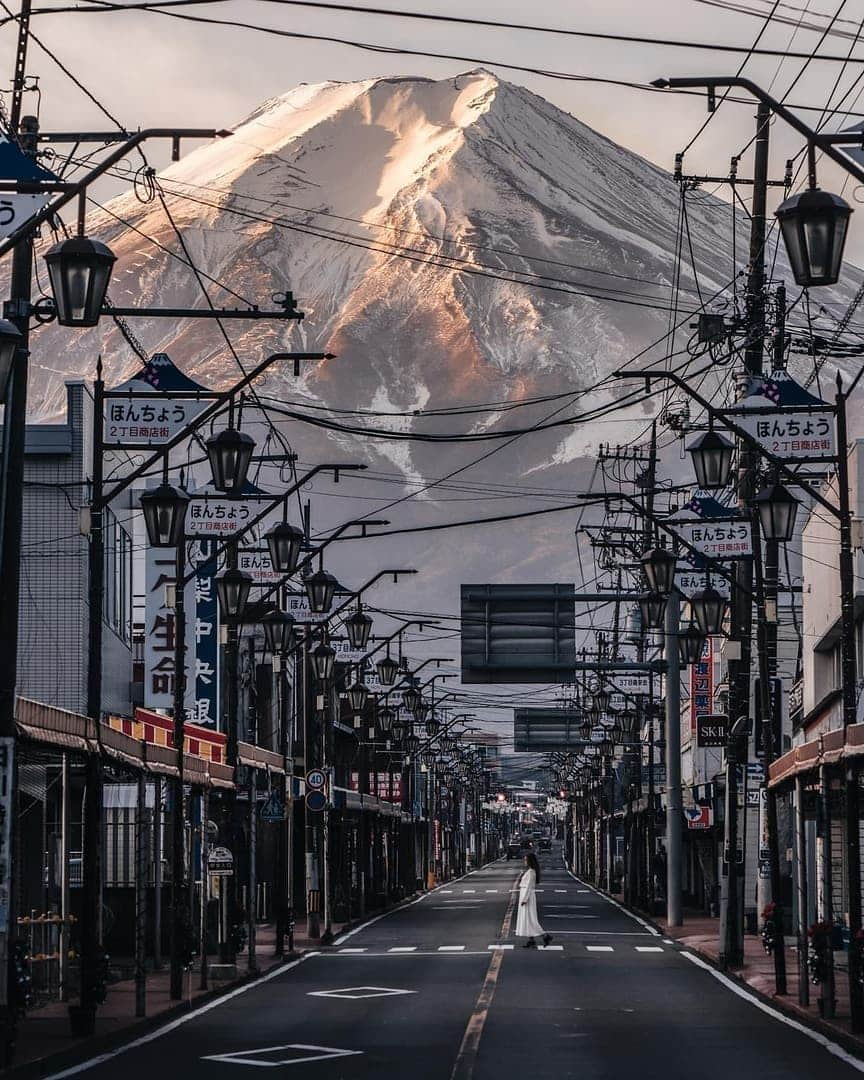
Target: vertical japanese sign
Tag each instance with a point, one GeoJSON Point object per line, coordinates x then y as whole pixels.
{"type": "Point", "coordinates": [203, 708]}
{"type": "Point", "coordinates": [159, 572]}
{"type": "Point", "coordinates": [202, 634]}
{"type": "Point", "coordinates": [702, 685]}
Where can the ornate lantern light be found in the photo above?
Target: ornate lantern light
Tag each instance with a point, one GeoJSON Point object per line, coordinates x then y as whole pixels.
{"type": "Point", "coordinates": [230, 452]}
{"type": "Point", "coordinates": [691, 642]}
{"type": "Point", "coordinates": [285, 543]}
{"type": "Point", "coordinates": [358, 626]}
{"type": "Point", "coordinates": [659, 567]}
{"type": "Point", "coordinates": [777, 508]}
{"type": "Point", "coordinates": [653, 608]}
{"type": "Point", "coordinates": [708, 608]}
{"type": "Point", "coordinates": [79, 270]}
{"type": "Point", "coordinates": [164, 514]}
{"type": "Point", "coordinates": [279, 631]}
{"type": "Point", "coordinates": [814, 225]}
{"type": "Point", "coordinates": [712, 454]}
{"type": "Point", "coordinates": [232, 588]}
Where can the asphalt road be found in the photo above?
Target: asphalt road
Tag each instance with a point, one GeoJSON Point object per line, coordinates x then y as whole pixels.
{"type": "Point", "coordinates": [440, 990]}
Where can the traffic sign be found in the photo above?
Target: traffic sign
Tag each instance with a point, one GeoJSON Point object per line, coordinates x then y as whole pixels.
{"type": "Point", "coordinates": [220, 862]}
{"type": "Point", "coordinates": [315, 800]}
{"type": "Point", "coordinates": [316, 779]}
{"type": "Point", "coordinates": [273, 809]}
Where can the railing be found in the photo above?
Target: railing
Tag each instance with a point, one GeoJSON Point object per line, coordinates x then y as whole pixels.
{"type": "Point", "coordinates": [45, 937]}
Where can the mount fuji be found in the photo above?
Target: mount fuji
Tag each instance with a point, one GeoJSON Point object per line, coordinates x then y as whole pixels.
{"type": "Point", "coordinates": [459, 243]}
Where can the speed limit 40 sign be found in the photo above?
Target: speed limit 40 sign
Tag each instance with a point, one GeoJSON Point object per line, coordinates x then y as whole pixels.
{"type": "Point", "coordinates": [316, 779]}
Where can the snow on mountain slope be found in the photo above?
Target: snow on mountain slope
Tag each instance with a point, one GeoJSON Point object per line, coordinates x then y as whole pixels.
{"type": "Point", "coordinates": [393, 208]}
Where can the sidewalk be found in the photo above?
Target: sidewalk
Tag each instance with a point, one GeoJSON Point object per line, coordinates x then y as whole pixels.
{"type": "Point", "coordinates": [701, 934]}
{"type": "Point", "coordinates": [46, 1044]}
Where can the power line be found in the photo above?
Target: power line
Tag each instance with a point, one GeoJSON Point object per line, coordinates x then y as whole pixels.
{"type": "Point", "coordinates": [168, 7]}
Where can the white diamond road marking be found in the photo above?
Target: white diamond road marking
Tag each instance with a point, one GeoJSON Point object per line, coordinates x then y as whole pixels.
{"type": "Point", "coordinates": [451, 948]}
{"type": "Point", "coordinates": [352, 950]}
{"type": "Point", "coordinates": [648, 948]}
{"type": "Point", "coordinates": [359, 993]}
{"type": "Point", "coordinates": [404, 948]}
{"type": "Point", "coordinates": [500, 946]}
{"type": "Point", "coordinates": [248, 1057]}
{"type": "Point", "coordinates": [600, 948]}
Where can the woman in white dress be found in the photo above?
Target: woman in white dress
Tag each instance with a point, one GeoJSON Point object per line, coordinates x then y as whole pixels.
{"type": "Point", "coordinates": [527, 923]}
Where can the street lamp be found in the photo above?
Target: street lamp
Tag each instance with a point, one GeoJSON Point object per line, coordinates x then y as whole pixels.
{"type": "Point", "coordinates": [653, 609]}
{"type": "Point", "coordinates": [601, 700]}
{"type": "Point", "coordinates": [279, 630]}
{"type": "Point", "coordinates": [711, 454]}
{"type": "Point", "coordinates": [320, 590]}
{"type": "Point", "coordinates": [230, 454]}
{"type": "Point", "coordinates": [285, 543]}
{"type": "Point", "coordinates": [708, 609]}
{"type": "Point", "coordinates": [814, 224]}
{"type": "Point", "coordinates": [79, 269]}
{"type": "Point", "coordinates": [358, 626]}
{"type": "Point", "coordinates": [433, 725]}
{"type": "Point", "coordinates": [164, 514]}
{"type": "Point", "coordinates": [387, 669]}
{"type": "Point", "coordinates": [10, 339]}
{"type": "Point", "coordinates": [358, 695]}
{"type": "Point", "coordinates": [386, 716]}
{"type": "Point", "coordinates": [777, 508]}
{"type": "Point", "coordinates": [323, 661]}
{"type": "Point", "coordinates": [412, 699]}
{"type": "Point", "coordinates": [659, 567]}
{"type": "Point", "coordinates": [691, 642]}
{"type": "Point", "coordinates": [232, 588]}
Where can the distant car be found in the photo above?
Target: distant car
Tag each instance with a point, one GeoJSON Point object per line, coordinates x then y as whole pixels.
{"type": "Point", "coordinates": [545, 843]}
{"type": "Point", "coordinates": [514, 849]}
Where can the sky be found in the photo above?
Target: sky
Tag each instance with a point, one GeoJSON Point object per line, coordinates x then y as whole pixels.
{"type": "Point", "coordinates": [149, 69]}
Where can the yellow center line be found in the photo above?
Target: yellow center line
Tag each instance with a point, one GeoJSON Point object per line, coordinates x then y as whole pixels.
{"type": "Point", "coordinates": [463, 1067]}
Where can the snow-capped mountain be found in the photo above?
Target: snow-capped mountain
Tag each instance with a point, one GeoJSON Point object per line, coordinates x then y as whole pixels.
{"type": "Point", "coordinates": [454, 242]}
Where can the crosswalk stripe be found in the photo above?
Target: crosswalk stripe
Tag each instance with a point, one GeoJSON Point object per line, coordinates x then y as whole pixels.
{"type": "Point", "coordinates": [551, 948]}
{"type": "Point", "coordinates": [491, 890]}
{"type": "Point", "coordinates": [404, 948]}
{"type": "Point", "coordinates": [561, 890]}
{"type": "Point", "coordinates": [600, 948]}
{"type": "Point", "coordinates": [451, 948]}
{"type": "Point", "coordinates": [352, 950]}
{"type": "Point", "coordinates": [648, 948]}
{"type": "Point", "coordinates": [499, 946]}
{"type": "Point", "coordinates": [469, 890]}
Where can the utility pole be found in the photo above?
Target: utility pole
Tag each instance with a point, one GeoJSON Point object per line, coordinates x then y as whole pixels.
{"type": "Point", "coordinates": [17, 310]}
{"type": "Point", "coordinates": [741, 607]}
{"type": "Point", "coordinates": [674, 802]}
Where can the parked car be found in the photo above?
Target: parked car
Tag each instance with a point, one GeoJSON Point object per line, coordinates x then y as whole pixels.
{"type": "Point", "coordinates": [514, 849]}
{"type": "Point", "coordinates": [545, 843]}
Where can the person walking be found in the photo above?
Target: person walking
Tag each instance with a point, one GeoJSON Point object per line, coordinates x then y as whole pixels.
{"type": "Point", "coordinates": [527, 923]}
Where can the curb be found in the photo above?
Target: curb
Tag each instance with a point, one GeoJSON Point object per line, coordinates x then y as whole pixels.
{"type": "Point", "coordinates": [850, 1043]}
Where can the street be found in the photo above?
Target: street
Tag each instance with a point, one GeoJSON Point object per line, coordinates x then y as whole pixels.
{"type": "Point", "coordinates": [441, 989]}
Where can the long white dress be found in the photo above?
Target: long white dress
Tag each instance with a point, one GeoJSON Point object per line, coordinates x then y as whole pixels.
{"type": "Point", "coordinates": [527, 923]}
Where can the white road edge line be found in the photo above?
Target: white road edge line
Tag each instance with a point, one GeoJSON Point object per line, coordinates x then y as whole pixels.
{"type": "Point", "coordinates": [184, 1019]}
{"type": "Point", "coordinates": [402, 907]}
{"type": "Point", "coordinates": [651, 929]}
{"type": "Point", "coordinates": [816, 1036]}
